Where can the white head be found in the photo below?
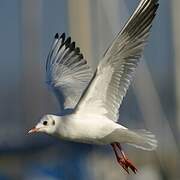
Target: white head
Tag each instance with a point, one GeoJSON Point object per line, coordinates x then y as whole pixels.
{"type": "Point", "coordinates": [47, 124]}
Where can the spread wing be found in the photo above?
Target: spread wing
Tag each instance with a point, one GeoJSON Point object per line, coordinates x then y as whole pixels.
{"type": "Point", "coordinates": [67, 71]}
{"type": "Point", "coordinates": [115, 71]}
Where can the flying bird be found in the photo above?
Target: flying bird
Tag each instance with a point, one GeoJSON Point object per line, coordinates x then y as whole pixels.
{"type": "Point", "coordinates": [92, 100]}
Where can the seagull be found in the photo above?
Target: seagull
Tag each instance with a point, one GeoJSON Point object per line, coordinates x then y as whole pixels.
{"type": "Point", "coordinates": [91, 101]}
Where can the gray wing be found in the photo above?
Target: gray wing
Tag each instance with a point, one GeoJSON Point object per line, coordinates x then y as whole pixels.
{"type": "Point", "coordinates": [115, 71]}
{"type": "Point", "coordinates": [67, 72]}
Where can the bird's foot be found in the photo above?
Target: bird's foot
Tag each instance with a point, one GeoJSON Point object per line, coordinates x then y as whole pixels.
{"type": "Point", "coordinates": [126, 164]}
{"type": "Point", "coordinates": [122, 159]}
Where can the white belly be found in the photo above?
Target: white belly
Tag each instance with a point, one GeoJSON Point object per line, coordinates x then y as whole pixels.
{"type": "Point", "coordinates": [87, 129]}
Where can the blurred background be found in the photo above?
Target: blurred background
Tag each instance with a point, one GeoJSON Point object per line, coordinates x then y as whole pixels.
{"type": "Point", "coordinates": [153, 101]}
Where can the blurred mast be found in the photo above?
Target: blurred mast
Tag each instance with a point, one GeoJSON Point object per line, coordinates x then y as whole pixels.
{"type": "Point", "coordinates": [175, 4]}
{"type": "Point", "coordinates": [80, 26]}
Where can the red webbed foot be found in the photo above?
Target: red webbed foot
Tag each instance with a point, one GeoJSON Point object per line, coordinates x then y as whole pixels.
{"type": "Point", "coordinates": [122, 159]}
{"type": "Point", "coordinates": [126, 164]}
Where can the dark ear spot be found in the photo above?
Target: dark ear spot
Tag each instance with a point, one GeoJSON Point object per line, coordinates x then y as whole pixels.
{"type": "Point", "coordinates": [53, 122]}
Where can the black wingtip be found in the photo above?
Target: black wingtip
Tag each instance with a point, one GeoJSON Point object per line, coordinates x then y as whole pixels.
{"type": "Point", "coordinates": [68, 41]}
{"type": "Point", "coordinates": [56, 36]}
{"type": "Point", "coordinates": [72, 45]}
{"type": "Point", "coordinates": [63, 36]}
{"type": "Point", "coordinates": [157, 5]}
{"type": "Point", "coordinates": [77, 50]}
{"type": "Point", "coordinates": [81, 56]}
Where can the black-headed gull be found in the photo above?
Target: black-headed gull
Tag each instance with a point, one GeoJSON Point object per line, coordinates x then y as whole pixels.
{"type": "Point", "coordinates": [96, 98]}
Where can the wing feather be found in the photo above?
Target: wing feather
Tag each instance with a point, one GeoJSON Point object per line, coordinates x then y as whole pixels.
{"type": "Point", "coordinates": [115, 71]}
{"type": "Point", "coordinates": [67, 71]}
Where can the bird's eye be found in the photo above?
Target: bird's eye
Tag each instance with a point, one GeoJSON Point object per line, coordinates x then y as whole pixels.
{"type": "Point", "coordinates": [45, 123]}
{"type": "Point", "coordinates": [53, 122]}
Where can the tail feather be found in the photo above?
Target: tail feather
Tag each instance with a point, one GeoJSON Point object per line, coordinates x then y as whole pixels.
{"type": "Point", "coordinates": [142, 139]}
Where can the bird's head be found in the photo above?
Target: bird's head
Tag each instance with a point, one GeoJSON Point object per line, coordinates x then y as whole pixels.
{"type": "Point", "coordinates": [47, 124]}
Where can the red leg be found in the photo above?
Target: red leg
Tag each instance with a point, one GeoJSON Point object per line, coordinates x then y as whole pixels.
{"type": "Point", "coordinates": [119, 158]}
{"type": "Point", "coordinates": [122, 159]}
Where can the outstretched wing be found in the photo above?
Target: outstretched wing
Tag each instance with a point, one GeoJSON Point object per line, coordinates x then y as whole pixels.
{"type": "Point", "coordinates": [115, 71]}
{"type": "Point", "coordinates": [67, 71]}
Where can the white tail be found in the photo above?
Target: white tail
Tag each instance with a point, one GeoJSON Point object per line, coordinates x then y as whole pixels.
{"type": "Point", "coordinates": [142, 139]}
